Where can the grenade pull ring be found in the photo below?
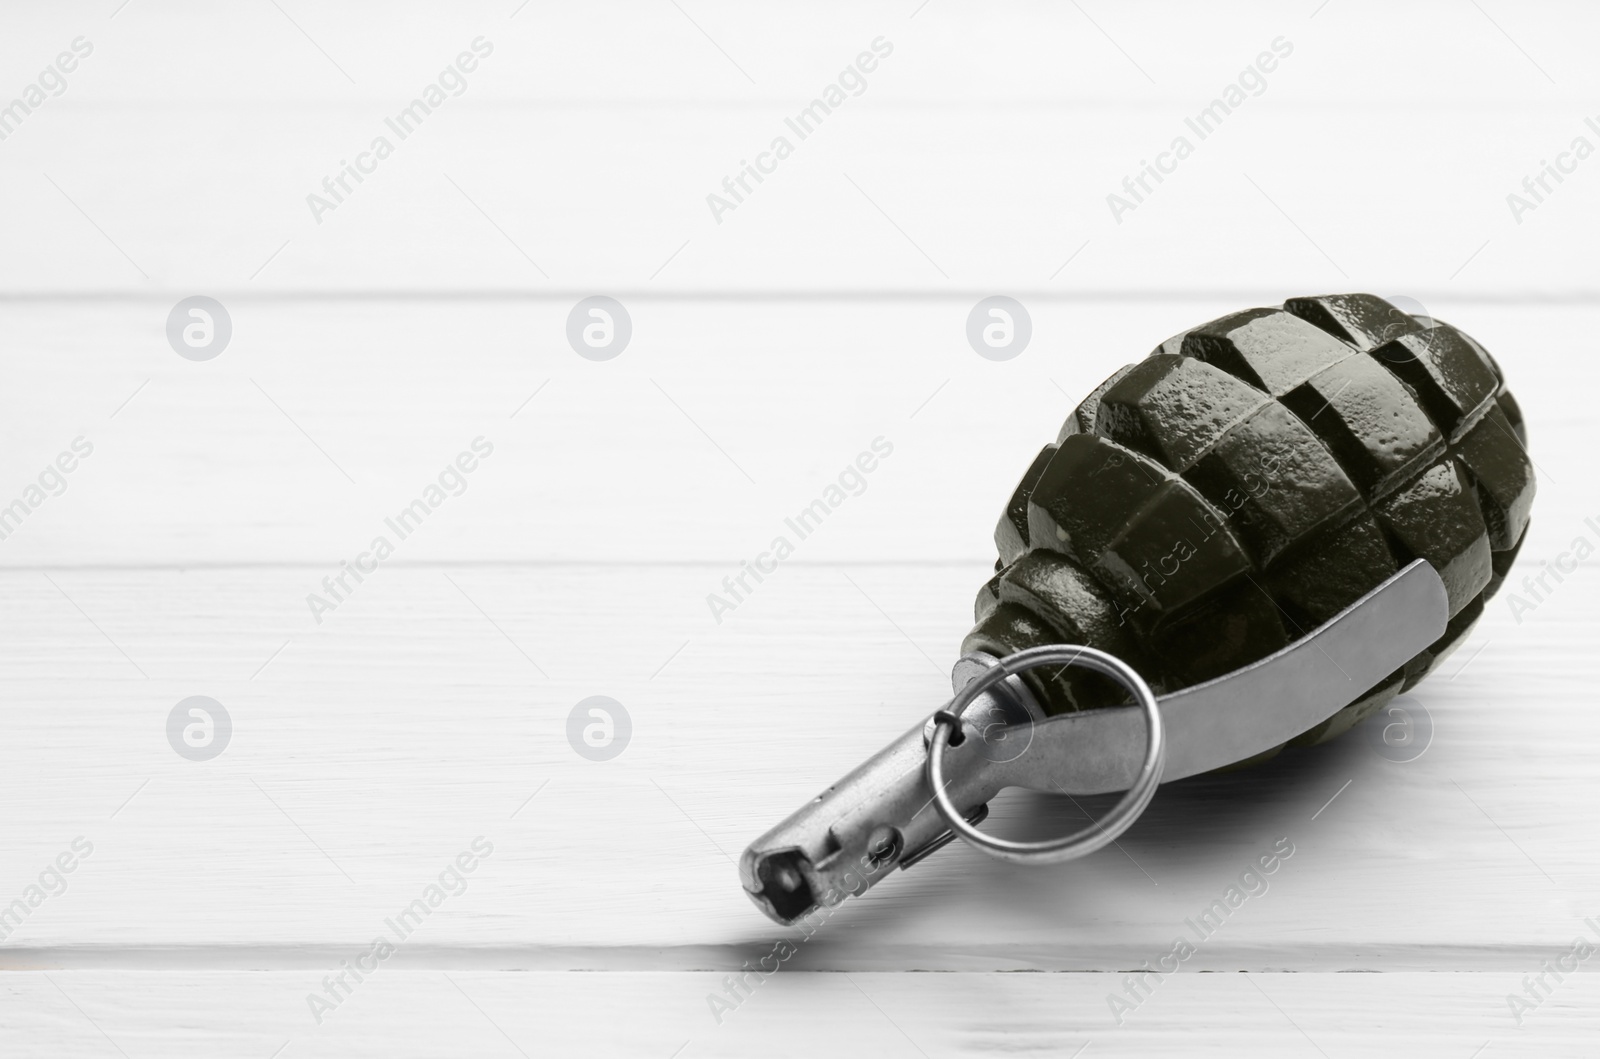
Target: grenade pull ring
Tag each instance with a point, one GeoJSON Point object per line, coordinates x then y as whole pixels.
{"type": "Point", "coordinates": [927, 788]}
{"type": "Point", "coordinates": [947, 728]}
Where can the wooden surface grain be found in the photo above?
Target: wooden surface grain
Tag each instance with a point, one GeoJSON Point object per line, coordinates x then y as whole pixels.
{"type": "Point", "coordinates": [376, 740]}
{"type": "Point", "coordinates": [242, 1013]}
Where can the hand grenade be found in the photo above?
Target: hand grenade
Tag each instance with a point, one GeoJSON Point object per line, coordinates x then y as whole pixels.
{"type": "Point", "coordinates": [1261, 533]}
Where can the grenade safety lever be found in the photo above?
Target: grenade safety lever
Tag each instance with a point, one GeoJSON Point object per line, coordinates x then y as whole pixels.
{"type": "Point", "coordinates": [888, 813]}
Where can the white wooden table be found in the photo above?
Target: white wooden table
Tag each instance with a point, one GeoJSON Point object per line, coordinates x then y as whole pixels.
{"type": "Point", "coordinates": [428, 709]}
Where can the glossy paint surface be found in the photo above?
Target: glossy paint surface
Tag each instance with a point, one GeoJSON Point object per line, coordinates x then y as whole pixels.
{"type": "Point", "coordinates": [1248, 480]}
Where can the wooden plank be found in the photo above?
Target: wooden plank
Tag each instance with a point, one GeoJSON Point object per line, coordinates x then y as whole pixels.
{"type": "Point", "coordinates": [404, 1011]}
{"type": "Point", "coordinates": [369, 751]}
{"type": "Point", "coordinates": [720, 421]}
{"type": "Point", "coordinates": [890, 200]}
{"type": "Point", "coordinates": [582, 153]}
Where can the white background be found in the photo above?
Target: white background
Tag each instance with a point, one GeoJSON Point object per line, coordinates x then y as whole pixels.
{"type": "Point", "coordinates": [768, 349]}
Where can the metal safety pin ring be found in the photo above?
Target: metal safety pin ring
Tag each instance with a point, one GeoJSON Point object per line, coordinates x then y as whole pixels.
{"type": "Point", "coordinates": [1101, 833]}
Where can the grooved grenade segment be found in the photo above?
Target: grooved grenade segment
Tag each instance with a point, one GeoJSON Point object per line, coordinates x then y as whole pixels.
{"type": "Point", "coordinates": [1247, 481]}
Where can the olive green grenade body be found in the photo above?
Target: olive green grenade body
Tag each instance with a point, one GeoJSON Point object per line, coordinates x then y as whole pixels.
{"type": "Point", "coordinates": [1248, 480]}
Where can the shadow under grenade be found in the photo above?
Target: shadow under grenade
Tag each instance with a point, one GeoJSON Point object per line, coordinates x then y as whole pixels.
{"type": "Point", "coordinates": [1261, 533]}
